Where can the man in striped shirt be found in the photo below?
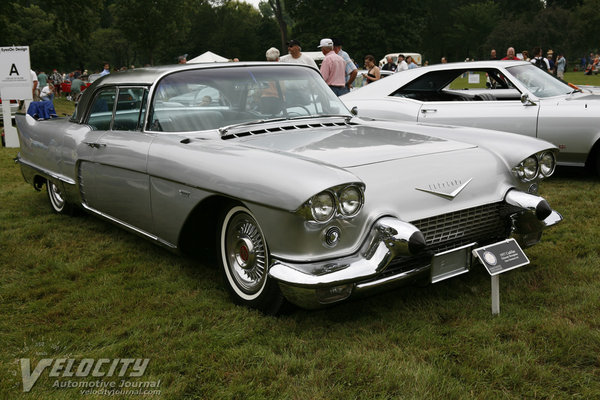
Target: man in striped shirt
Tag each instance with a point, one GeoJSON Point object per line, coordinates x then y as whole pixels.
{"type": "Point", "coordinates": [351, 71]}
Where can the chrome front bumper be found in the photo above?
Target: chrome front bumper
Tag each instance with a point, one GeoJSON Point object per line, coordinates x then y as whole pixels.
{"type": "Point", "coordinates": [312, 285]}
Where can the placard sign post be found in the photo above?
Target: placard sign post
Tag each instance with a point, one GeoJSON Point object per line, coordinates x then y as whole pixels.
{"type": "Point", "coordinates": [497, 259]}
{"type": "Point", "coordinates": [15, 84]}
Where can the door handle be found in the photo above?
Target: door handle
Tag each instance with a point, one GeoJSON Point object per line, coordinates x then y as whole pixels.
{"type": "Point", "coordinates": [95, 145]}
{"type": "Point", "coordinates": [428, 110]}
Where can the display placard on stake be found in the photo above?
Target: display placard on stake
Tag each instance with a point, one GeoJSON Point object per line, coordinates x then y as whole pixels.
{"type": "Point", "coordinates": [499, 258]}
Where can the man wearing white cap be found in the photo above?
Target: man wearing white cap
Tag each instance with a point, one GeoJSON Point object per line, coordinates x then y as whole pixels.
{"type": "Point", "coordinates": [333, 68]}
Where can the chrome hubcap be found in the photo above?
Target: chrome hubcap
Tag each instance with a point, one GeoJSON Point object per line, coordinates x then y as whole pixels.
{"type": "Point", "coordinates": [246, 253]}
{"type": "Point", "coordinates": [56, 196]}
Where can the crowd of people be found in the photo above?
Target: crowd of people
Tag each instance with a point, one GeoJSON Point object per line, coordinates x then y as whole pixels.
{"type": "Point", "coordinates": [338, 70]}
{"type": "Point", "coordinates": [591, 64]}
{"type": "Point", "coordinates": [48, 86]}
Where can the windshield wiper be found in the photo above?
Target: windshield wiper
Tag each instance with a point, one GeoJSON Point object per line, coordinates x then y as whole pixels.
{"type": "Point", "coordinates": [334, 115]}
{"type": "Point", "coordinates": [320, 116]}
{"type": "Point", "coordinates": [224, 129]}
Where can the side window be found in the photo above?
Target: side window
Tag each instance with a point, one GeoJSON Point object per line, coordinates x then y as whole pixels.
{"type": "Point", "coordinates": [471, 80]}
{"type": "Point", "coordinates": [101, 109]}
{"type": "Point", "coordinates": [130, 106]}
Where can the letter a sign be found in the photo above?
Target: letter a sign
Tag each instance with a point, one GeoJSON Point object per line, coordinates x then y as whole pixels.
{"type": "Point", "coordinates": [13, 70]}
{"type": "Point", "coordinates": [15, 84]}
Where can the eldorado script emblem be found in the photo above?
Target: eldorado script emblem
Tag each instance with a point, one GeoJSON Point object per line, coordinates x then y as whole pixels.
{"type": "Point", "coordinates": [441, 189]}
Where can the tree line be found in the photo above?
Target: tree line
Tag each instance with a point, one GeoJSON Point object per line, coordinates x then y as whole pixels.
{"type": "Point", "coordinates": [68, 35]}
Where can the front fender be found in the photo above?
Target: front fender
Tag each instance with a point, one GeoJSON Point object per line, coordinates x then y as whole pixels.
{"type": "Point", "coordinates": [511, 147]}
{"type": "Point", "coordinates": [254, 175]}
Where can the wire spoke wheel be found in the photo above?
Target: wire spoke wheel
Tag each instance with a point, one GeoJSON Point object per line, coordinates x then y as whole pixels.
{"type": "Point", "coordinates": [245, 261]}
{"type": "Point", "coordinates": [245, 250]}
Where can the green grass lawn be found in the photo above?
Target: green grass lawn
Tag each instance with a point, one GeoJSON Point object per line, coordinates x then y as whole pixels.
{"type": "Point", "coordinates": [79, 287]}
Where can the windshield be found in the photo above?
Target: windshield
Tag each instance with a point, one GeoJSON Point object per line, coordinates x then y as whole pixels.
{"type": "Point", "coordinates": [201, 99]}
{"type": "Point", "coordinates": [538, 82]}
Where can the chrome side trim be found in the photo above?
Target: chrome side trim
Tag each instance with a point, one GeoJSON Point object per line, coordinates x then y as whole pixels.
{"type": "Point", "coordinates": [44, 171]}
{"type": "Point", "coordinates": [129, 227]}
{"type": "Point", "coordinates": [391, 279]}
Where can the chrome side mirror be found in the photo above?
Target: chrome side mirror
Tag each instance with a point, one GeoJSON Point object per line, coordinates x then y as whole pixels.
{"type": "Point", "coordinates": [526, 100]}
{"type": "Point", "coordinates": [354, 111]}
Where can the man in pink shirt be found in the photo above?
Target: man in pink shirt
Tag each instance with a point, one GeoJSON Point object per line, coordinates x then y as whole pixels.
{"type": "Point", "coordinates": [333, 68]}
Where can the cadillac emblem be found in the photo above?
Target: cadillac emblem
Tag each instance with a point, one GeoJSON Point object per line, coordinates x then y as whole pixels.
{"type": "Point", "coordinates": [448, 190]}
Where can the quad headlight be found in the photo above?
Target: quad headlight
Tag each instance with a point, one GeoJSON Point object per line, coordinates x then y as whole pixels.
{"type": "Point", "coordinates": [351, 201]}
{"type": "Point", "coordinates": [547, 163]}
{"type": "Point", "coordinates": [341, 201]}
{"type": "Point", "coordinates": [539, 165]}
{"type": "Point", "coordinates": [322, 206]}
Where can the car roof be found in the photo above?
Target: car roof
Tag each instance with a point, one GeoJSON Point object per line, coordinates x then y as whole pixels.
{"type": "Point", "coordinates": [476, 64]}
{"type": "Point", "coordinates": [148, 76]}
{"type": "Point", "coordinates": [403, 77]}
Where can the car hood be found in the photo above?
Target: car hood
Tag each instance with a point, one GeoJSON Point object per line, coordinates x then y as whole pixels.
{"type": "Point", "coordinates": [400, 167]}
{"type": "Point", "coordinates": [282, 166]}
{"type": "Point", "coordinates": [353, 146]}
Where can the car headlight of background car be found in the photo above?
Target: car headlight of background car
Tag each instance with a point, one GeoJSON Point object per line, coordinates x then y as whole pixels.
{"type": "Point", "coordinates": [338, 202]}
{"type": "Point", "coordinates": [537, 166]}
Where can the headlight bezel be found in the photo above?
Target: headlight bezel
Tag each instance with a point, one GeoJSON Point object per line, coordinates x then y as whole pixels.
{"type": "Point", "coordinates": [360, 200]}
{"type": "Point", "coordinates": [535, 167]}
{"type": "Point", "coordinates": [337, 193]}
{"type": "Point", "coordinates": [552, 168]}
{"type": "Point", "coordinates": [318, 199]}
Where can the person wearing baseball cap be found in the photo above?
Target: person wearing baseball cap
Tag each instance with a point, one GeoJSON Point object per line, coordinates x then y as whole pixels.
{"type": "Point", "coordinates": [295, 55]}
{"type": "Point", "coordinates": [333, 68]}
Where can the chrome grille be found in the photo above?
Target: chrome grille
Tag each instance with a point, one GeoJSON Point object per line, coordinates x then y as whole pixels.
{"type": "Point", "coordinates": [484, 224]}
{"type": "Point", "coordinates": [444, 232]}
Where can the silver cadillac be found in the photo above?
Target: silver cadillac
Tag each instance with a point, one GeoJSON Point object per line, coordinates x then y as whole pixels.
{"type": "Point", "coordinates": [301, 200]}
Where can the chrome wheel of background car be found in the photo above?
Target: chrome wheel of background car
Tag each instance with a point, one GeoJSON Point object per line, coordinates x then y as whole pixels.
{"type": "Point", "coordinates": [245, 260]}
{"type": "Point", "coordinates": [57, 198]}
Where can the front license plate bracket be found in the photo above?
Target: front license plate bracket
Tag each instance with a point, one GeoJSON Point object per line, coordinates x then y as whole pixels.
{"type": "Point", "coordinates": [451, 263]}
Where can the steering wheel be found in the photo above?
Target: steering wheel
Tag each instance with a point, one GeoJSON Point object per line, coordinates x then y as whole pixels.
{"type": "Point", "coordinates": [296, 113]}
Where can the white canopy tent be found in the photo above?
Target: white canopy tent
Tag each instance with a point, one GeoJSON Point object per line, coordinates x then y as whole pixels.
{"type": "Point", "coordinates": [207, 57]}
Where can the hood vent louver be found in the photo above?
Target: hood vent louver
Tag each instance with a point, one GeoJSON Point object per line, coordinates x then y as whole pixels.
{"type": "Point", "coordinates": [274, 129]}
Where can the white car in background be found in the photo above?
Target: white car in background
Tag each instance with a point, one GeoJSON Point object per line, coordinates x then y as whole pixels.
{"type": "Point", "coordinates": [512, 96]}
